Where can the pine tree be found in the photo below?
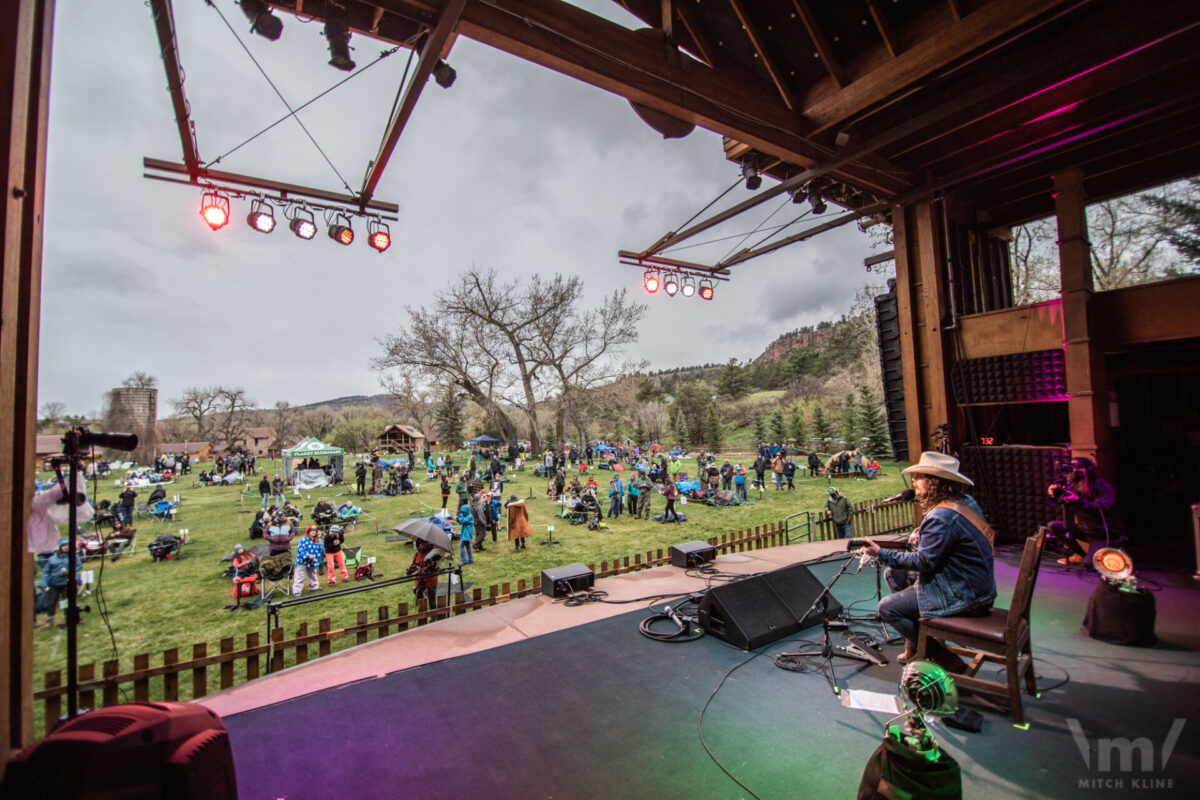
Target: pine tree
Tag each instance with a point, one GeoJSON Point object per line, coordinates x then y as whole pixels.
{"type": "Point", "coordinates": [549, 441]}
{"type": "Point", "coordinates": [732, 380]}
{"type": "Point", "coordinates": [848, 422]}
{"type": "Point", "coordinates": [873, 423]}
{"type": "Point", "coordinates": [713, 433]}
{"type": "Point", "coordinates": [798, 425]}
{"type": "Point", "coordinates": [618, 430]}
{"type": "Point", "coordinates": [777, 429]}
{"type": "Point", "coordinates": [449, 421]}
{"type": "Point", "coordinates": [822, 429]}
{"type": "Point", "coordinates": [682, 440]}
{"type": "Point", "coordinates": [639, 431]}
{"type": "Point", "coordinates": [760, 427]}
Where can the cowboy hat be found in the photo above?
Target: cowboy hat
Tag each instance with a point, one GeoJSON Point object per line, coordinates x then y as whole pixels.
{"type": "Point", "coordinates": [939, 465]}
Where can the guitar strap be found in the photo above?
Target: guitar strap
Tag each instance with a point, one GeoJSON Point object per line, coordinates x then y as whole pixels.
{"type": "Point", "coordinates": [970, 516]}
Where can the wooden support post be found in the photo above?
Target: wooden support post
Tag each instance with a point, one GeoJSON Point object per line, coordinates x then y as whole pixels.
{"type": "Point", "coordinates": [251, 661]}
{"type": "Point", "coordinates": [111, 692]}
{"type": "Point", "coordinates": [381, 614]}
{"type": "Point", "coordinates": [1087, 381]}
{"type": "Point", "coordinates": [277, 654]}
{"type": "Point", "coordinates": [53, 707]}
{"type": "Point", "coordinates": [361, 636]}
{"type": "Point", "coordinates": [402, 611]}
{"type": "Point", "coordinates": [302, 649]}
{"type": "Point", "coordinates": [324, 647]}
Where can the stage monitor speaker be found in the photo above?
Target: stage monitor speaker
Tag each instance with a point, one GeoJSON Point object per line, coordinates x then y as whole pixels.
{"type": "Point", "coordinates": [756, 611]}
{"type": "Point", "coordinates": [562, 581]}
{"type": "Point", "coordinates": [691, 554]}
{"type": "Point", "coordinates": [177, 750]}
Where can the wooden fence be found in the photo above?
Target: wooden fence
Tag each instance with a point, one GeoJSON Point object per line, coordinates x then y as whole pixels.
{"type": "Point", "coordinates": [228, 665]}
{"type": "Point", "coordinates": [869, 518]}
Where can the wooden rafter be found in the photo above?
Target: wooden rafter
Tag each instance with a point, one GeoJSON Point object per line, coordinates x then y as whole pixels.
{"type": "Point", "coordinates": [955, 8]}
{"type": "Point", "coordinates": [762, 52]}
{"type": "Point", "coordinates": [824, 49]}
{"type": "Point", "coordinates": [886, 32]}
{"type": "Point", "coordinates": [432, 52]}
{"type": "Point", "coordinates": [946, 43]}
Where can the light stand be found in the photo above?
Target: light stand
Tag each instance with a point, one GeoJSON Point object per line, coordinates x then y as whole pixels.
{"type": "Point", "coordinates": [75, 443]}
{"type": "Point", "coordinates": [829, 650]}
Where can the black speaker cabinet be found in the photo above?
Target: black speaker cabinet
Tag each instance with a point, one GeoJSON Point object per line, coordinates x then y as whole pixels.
{"type": "Point", "coordinates": [756, 611]}
{"type": "Point", "coordinates": [562, 581]}
{"type": "Point", "coordinates": [690, 554]}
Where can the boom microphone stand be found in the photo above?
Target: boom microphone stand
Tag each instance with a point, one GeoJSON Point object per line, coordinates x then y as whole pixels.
{"type": "Point", "coordinates": [829, 650]}
{"type": "Point", "coordinates": [75, 443]}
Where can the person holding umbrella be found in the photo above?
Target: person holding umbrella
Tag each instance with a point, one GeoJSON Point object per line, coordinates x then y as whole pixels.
{"type": "Point", "coordinates": [425, 565]}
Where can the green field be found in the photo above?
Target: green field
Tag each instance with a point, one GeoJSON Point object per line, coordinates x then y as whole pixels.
{"type": "Point", "coordinates": [173, 604]}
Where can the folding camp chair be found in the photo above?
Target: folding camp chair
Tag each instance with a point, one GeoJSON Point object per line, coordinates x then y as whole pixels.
{"type": "Point", "coordinates": [276, 573]}
{"type": "Point", "coordinates": [143, 509]}
{"type": "Point", "coordinates": [353, 555]}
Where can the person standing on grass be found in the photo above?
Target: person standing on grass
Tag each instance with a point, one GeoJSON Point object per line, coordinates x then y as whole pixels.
{"type": "Point", "coordinates": [633, 493]}
{"type": "Point", "coordinates": [760, 469]}
{"type": "Point", "coordinates": [445, 489]}
{"type": "Point", "coordinates": [837, 507]}
{"type": "Point", "coordinates": [334, 539]}
{"type": "Point", "coordinates": [425, 567]}
{"type": "Point", "coordinates": [518, 522]}
{"type": "Point", "coordinates": [789, 473]}
{"type": "Point", "coordinates": [264, 491]}
{"type": "Point", "coordinates": [670, 492]}
{"type": "Point", "coordinates": [777, 469]}
{"type": "Point", "coordinates": [739, 481]}
{"type": "Point", "coordinates": [466, 520]}
{"type": "Point", "coordinates": [614, 499]}
{"type": "Point", "coordinates": [56, 576]}
{"type": "Point", "coordinates": [307, 567]}
{"type": "Point", "coordinates": [277, 489]}
{"type": "Point", "coordinates": [727, 476]}
{"type": "Point", "coordinates": [620, 494]}
{"type": "Point", "coordinates": [128, 499]}
{"type": "Point", "coordinates": [360, 479]}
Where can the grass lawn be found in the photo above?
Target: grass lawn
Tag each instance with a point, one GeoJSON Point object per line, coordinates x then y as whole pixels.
{"type": "Point", "coordinates": [173, 604]}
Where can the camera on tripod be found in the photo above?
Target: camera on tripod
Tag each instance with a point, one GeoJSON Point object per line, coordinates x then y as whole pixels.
{"type": "Point", "coordinates": [1061, 491]}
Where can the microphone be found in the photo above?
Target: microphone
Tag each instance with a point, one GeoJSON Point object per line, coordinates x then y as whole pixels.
{"type": "Point", "coordinates": [906, 495]}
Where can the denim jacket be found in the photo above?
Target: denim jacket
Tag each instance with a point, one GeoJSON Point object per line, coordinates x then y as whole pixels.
{"type": "Point", "coordinates": [954, 563]}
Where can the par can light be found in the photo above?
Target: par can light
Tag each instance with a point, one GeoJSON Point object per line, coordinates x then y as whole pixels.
{"type": "Point", "coordinates": [340, 230]}
{"type": "Point", "coordinates": [650, 281]}
{"type": "Point", "coordinates": [671, 285]}
{"type": "Point", "coordinates": [303, 224]}
{"type": "Point", "coordinates": [378, 235]}
{"type": "Point", "coordinates": [214, 208]}
{"type": "Point", "coordinates": [689, 286]}
{"type": "Point", "coordinates": [261, 217]}
{"type": "Point", "coordinates": [706, 289]}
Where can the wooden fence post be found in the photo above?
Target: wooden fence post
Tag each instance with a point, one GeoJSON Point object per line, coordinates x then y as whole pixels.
{"type": "Point", "coordinates": [111, 694]}
{"type": "Point", "coordinates": [199, 674]}
{"type": "Point", "coordinates": [227, 664]}
{"type": "Point", "coordinates": [402, 611]}
{"type": "Point", "coordinates": [87, 697]}
{"type": "Point", "coordinates": [252, 660]}
{"type": "Point", "coordinates": [277, 649]}
{"type": "Point", "coordinates": [521, 587]}
{"type": "Point", "coordinates": [302, 649]}
{"type": "Point", "coordinates": [53, 703]}
{"type": "Point", "coordinates": [324, 647]}
{"type": "Point", "coordinates": [141, 686]}
{"type": "Point", "coordinates": [381, 614]}
{"type": "Point", "coordinates": [361, 636]}
{"type": "Point", "coordinates": [171, 677]}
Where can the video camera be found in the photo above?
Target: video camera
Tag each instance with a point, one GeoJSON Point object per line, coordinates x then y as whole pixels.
{"type": "Point", "coordinates": [1062, 485]}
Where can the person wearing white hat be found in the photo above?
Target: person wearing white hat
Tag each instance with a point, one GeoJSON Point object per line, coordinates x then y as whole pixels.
{"type": "Point", "coordinates": [953, 560]}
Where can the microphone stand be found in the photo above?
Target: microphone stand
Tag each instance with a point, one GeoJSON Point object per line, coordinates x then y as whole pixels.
{"type": "Point", "coordinates": [829, 650]}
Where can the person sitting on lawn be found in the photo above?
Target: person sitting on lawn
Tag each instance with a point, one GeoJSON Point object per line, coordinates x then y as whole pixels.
{"type": "Point", "coordinates": [347, 512]}
{"type": "Point", "coordinates": [323, 513]}
{"type": "Point", "coordinates": [406, 484]}
{"type": "Point", "coordinates": [592, 486]}
{"type": "Point", "coordinates": [872, 468]}
{"type": "Point", "coordinates": [244, 562]}
{"type": "Point", "coordinates": [279, 536]}
{"type": "Point", "coordinates": [290, 510]}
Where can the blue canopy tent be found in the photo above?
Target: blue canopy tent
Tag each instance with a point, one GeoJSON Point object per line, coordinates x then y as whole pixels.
{"type": "Point", "coordinates": [484, 439]}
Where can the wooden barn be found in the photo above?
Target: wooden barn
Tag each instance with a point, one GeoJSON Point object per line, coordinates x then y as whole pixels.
{"type": "Point", "coordinates": [400, 438]}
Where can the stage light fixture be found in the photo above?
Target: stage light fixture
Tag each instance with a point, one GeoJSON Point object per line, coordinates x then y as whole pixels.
{"type": "Point", "coordinates": [303, 224]}
{"type": "Point", "coordinates": [262, 21]}
{"type": "Point", "coordinates": [750, 173]}
{"type": "Point", "coordinates": [261, 217]}
{"type": "Point", "coordinates": [706, 289]}
{"type": "Point", "coordinates": [340, 230]}
{"type": "Point", "coordinates": [689, 286]}
{"type": "Point", "coordinates": [378, 235]}
{"type": "Point", "coordinates": [444, 74]}
{"type": "Point", "coordinates": [214, 208]}
{"type": "Point", "coordinates": [816, 201]}
{"type": "Point", "coordinates": [671, 284]}
{"type": "Point", "coordinates": [799, 195]}
{"type": "Point", "coordinates": [337, 33]}
{"type": "Point", "coordinates": [650, 281]}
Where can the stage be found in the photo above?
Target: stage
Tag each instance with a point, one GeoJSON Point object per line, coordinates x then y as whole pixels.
{"type": "Point", "coordinates": [535, 699]}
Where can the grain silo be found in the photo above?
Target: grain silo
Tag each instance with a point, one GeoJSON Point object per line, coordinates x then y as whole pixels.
{"type": "Point", "coordinates": [132, 410]}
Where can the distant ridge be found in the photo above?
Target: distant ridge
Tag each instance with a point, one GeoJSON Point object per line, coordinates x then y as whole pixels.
{"type": "Point", "coordinates": [350, 400]}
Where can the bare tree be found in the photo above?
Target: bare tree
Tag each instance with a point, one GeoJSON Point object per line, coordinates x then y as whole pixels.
{"type": "Point", "coordinates": [200, 406]}
{"type": "Point", "coordinates": [285, 419]}
{"type": "Point", "coordinates": [318, 422]}
{"type": "Point", "coordinates": [140, 380]}
{"type": "Point", "coordinates": [409, 402]}
{"type": "Point", "coordinates": [656, 418]}
{"type": "Point", "coordinates": [52, 413]}
{"type": "Point", "coordinates": [233, 405]}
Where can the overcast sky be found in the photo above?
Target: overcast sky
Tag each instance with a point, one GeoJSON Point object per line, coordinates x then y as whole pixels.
{"type": "Point", "coordinates": [514, 167]}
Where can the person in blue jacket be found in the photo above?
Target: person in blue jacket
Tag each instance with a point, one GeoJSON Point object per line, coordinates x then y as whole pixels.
{"type": "Point", "coordinates": [466, 535]}
{"type": "Point", "coordinates": [56, 576]}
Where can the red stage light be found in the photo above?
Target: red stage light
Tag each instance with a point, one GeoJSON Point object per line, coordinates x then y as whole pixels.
{"type": "Point", "coordinates": [214, 208]}
{"type": "Point", "coordinates": [340, 231]}
{"type": "Point", "coordinates": [378, 235]}
{"type": "Point", "coordinates": [706, 289]}
{"type": "Point", "coordinates": [650, 281]}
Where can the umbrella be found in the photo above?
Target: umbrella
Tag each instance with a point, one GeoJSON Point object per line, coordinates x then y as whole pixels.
{"type": "Point", "coordinates": [422, 530]}
{"type": "Point", "coordinates": [618, 468]}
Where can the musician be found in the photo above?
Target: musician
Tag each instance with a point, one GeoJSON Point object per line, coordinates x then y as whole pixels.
{"type": "Point", "coordinates": [953, 559]}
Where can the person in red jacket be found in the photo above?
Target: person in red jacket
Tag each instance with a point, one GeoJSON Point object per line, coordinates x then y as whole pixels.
{"type": "Point", "coordinates": [425, 566]}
